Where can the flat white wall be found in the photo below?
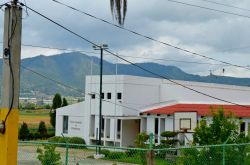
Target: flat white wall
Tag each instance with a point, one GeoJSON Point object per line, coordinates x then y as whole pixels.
{"type": "Point", "coordinates": [237, 94]}
{"type": "Point", "coordinates": [77, 120]}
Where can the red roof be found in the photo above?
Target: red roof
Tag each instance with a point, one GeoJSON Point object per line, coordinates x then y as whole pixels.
{"type": "Point", "coordinates": [201, 109]}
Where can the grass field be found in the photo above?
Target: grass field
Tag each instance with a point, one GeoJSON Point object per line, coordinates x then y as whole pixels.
{"type": "Point", "coordinates": [33, 118]}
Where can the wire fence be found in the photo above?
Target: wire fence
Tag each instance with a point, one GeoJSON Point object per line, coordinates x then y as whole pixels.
{"type": "Point", "coordinates": [32, 153]}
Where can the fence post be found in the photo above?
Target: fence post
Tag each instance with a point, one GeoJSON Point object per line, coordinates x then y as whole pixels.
{"type": "Point", "coordinates": [150, 152]}
{"type": "Point", "coordinates": [223, 154]}
{"type": "Point", "coordinates": [67, 149]}
{"type": "Point", "coordinates": [67, 152]}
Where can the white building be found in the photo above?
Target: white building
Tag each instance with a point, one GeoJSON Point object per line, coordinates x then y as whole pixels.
{"type": "Point", "coordinates": [134, 104]}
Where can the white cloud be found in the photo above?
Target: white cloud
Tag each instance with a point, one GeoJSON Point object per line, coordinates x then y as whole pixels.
{"type": "Point", "coordinates": [195, 29]}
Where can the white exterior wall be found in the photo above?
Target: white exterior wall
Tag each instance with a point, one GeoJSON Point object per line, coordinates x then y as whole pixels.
{"type": "Point", "coordinates": [236, 94]}
{"type": "Point", "coordinates": [169, 124]}
{"type": "Point", "coordinates": [139, 93]}
{"type": "Point", "coordinates": [76, 122]}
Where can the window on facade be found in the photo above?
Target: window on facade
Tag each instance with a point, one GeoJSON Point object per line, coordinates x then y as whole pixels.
{"type": "Point", "coordinates": [118, 129]}
{"type": "Point", "coordinates": [102, 95]}
{"type": "Point", "coordinates": [119, 96]}
{"type": "Point", "coordinates": [93, 96]}
{"type": "Point", "coordinates": [65, 124]}
{"type": "Point", "coordinates": [118, 125]}
{"type": "Point", "coordinates": [102, 130]}
{"type": "Point", "coordinates": [156, 126]}
{"type": "Point", "coordinates": [109, 95]}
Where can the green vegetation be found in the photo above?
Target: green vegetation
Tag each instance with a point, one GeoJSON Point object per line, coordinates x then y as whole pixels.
{"type": "Point", "coordinates": [42, 130]}
{"type": "Point", "coordinates": [223, 129]}
{"type": "Point", "coordinates": [56, 103]}
{"type": "Point", "coordinates": [64, 102]}
{"type": "Point", "coordinates": [141, 140]}
{"type": "Point", "coordinates": [69, 140]}
{"type": "Point", "coordinates": [24, 132]}
{"type": "Point", "coordinates": [170, 140]}
{"type": "Point", "coordinates": [49, 156]}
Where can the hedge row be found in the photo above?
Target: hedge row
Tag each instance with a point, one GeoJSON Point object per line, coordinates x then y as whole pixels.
{"type": "Point", "coordinates": [69, 140]}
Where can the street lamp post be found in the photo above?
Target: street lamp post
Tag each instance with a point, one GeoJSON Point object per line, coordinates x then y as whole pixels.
{"type": "Point", "coordinates": [100, 47]}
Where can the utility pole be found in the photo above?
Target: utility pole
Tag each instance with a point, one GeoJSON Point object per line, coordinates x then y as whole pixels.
{"type": "Point", "coordinates": [9, 113]}
{"type": "Point", "coordinates": [101, 47]}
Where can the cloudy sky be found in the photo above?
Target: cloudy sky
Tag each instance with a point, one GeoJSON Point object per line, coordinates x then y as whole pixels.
{"type": "Point", "coordinates": [218, 35]}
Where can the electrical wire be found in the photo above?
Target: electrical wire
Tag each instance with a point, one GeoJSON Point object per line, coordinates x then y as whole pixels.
{"type": "Point", "coordinates": [151, 38]}
{"type": "Point", "coordinates": [136, 57]}
{"type": "Point", "coordinates": [139, 67]}
{"type": "Point", "coordinates": [53, 80]}
{"type": "Point", "coordinates": [4, 4]}
{"type": "Point", "coordinates": [72, 88]}
{"type": "Point", "coordinates": [226, 5]}
{"type": "Point", "coordinates": [13, 27]}
{"type": "Point", "coordinates": [211, 9]}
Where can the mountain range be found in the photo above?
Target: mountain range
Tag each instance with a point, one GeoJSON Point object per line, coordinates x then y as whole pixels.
{"type": "Point", "coordinates": [71, 69]}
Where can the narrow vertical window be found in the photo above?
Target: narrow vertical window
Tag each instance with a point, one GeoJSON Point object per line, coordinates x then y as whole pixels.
{"type": "Point", "coordinates": [119, 96]}
{"type": "Point", "coordinates": [65, 124]}
{"type": "Point", "coordinates": [102, 95]}
{"type": "Point", "coordinates": [109, 95]}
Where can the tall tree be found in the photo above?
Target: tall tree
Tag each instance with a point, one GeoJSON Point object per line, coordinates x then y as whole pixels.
{"type": "Point", "coordinates": [65, 102]}
{"type": "Point", "coordinates": [57, 103]}
{"type": "Point", "coordinates": [24, 132]}
{"type": "Point", "coordinates": [42, 129]}
{"type": "Point", "coordinates": [119, 10]}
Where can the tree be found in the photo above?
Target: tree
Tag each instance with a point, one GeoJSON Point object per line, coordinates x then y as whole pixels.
{"type": "Point", "coordinates": [24, 132]}
{"type": "Point", "coordinates": [169, 139]}
{"type": "Point", "coordinates": [65, 102]}
{"type": "Point", "coordinates": [219, 131]}
{"type": "Point", "coordinates": [223, 129]}
{"type": "Point", "coordinates": [119, 10]}
{"type": "Point", "coordinates": [42, 129]}
{"type": "Point", "coordinates": [56, 103]}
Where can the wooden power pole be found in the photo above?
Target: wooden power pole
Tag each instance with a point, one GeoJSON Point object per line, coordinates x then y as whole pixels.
{"type": "Point", "coordinates": [9, 114]}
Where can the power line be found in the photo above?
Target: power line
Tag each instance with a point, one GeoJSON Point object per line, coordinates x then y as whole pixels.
{"type": "Point", "coordinates": [211, 9]}
{"type": "Point", "coordinates": [70, 87]}
{"type": "Point", "coordinates": [226, 5]}
{"type": "Point", "coordinates": [136, 57]}
{"type": "Point", "coordinates": [151, 38]}
{"type": "Point", "coordinates": [53, 80]}
{"type": "Point", "coordinates": [146, 70]}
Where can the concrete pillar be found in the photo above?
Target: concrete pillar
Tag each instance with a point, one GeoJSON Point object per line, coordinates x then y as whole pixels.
{"type": "Point", "coordinates": [246, 128]}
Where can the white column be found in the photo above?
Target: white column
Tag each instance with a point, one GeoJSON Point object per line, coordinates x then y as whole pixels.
{"type": "Point", "coordinates": [246, 128]}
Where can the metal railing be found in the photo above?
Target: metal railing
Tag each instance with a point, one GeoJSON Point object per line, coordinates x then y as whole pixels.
{"type": "Point", "coordinates": [72, 154]}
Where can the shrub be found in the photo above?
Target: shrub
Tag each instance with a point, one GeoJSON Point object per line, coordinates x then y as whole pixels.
{"type": "Point", "coordinates": [48, 156]}
{"type": "Point", "coordinates": [76, 140]}
{"type": "Point", "coordinates": [116, 155]}
{"type": "Point", "coordinates": [141, 139]}
{"type": "Point", "coordinates": [54, 139]}
{"type": "Point", "coordinates": [105, 152]}
{"type": "Point", "coordinates": [37, 135]}
{"type": "Point", "coordinates": [42, 129]}
{"type": "Point", "coordinates": [169, 134]}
